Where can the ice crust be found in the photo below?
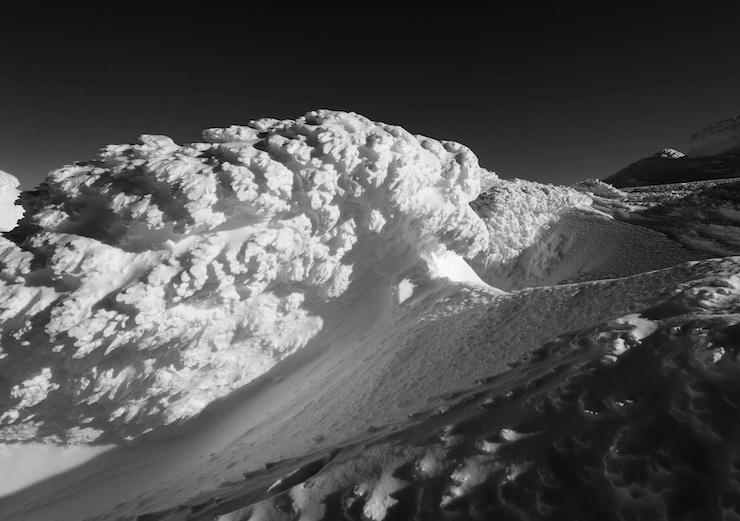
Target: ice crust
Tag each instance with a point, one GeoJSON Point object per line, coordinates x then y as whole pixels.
{"type": "Point", "coordinates": [161, 277]}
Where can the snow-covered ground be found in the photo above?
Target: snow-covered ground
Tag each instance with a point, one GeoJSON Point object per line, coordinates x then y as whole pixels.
{"type": "Point", "coordinates": [331, 318]}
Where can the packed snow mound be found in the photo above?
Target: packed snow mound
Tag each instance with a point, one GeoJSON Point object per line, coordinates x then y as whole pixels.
{"type": "Point", "coordinates": [10, 213]}
{"type": "Point", "coordinates": [517, 214]}
{"type": "Point", "coordinates": [543, 235]}
{"type": "Point", "coordinates": [146, 284]}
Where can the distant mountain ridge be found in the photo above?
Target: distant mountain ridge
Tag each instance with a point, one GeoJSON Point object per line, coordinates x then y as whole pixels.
{"type": "Point", "coordinates": [714, 153]}
{"type": "Point", "coordinates": [718, 138]}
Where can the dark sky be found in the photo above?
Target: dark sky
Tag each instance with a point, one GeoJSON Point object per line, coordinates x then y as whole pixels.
{"type": "Point", "coordinates": [553, 94]}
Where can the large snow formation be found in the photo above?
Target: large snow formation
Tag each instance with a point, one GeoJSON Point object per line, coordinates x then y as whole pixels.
{"type": "Point", "coordinates": [160, 277]}
{"type": "Point", "coordinates": [146, 284]}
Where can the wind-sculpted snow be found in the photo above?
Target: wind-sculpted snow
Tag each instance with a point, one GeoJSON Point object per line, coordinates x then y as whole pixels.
{"type": "Point", "coordinates": [146, 284]}
{"type": "Point", "coordinates": [543, 234]}
{"type": "Point", "coordinates": [10, 212]}
{"type": "Point", "coordinates": [517, 214]}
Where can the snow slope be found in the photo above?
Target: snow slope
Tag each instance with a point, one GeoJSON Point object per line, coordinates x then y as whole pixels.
{"type": "Point", "coordinates": [305, 319]}
{"type": "Point", "coordinates": [700, 215]}
{"type": "Point", "coordinates": [544, 235]}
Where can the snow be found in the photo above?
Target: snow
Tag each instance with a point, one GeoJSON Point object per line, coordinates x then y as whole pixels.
{"type": "Point", "coordinates": [23, 464]}
{"type": "Point", "coordinates": [330, 317]}
{"type": "Point", "coordinates": [10, 213]}
{"type": "Point", "coordinates": [544, 234]}
{"type": "Point", "coordinates": [178, 274]}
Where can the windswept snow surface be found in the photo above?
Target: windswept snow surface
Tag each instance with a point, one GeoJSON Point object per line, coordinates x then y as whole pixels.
{"type": "Point", "coordinates": [305, 319]}
{"type": "Point", "coordinates": [702, 216]}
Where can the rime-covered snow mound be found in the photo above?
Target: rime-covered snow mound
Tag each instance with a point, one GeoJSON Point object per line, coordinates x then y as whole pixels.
{"type": "Point", "coordinates": [543, 235]}
{"type": "Point", "coordinates": [160, 277]}
{"type": "Point", "coordinates": [146, 284]}
{"type": "Point", "coordinates": [516, 214]}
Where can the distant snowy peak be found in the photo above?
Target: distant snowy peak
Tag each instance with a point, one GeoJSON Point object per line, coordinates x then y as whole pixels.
{"type": "Point", "coordinates": [670, 153]}
{"type": "Point", "coordinates": [166, 276]}
{"type": "Point", "coordinates": [714, 153]}
{"type": "Point", "coordinates": [10, 213]}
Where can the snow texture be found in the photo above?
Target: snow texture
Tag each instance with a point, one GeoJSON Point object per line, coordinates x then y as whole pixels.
{"type": "Point", "coordinates": [321, 300]}
{"type": "Point", "coordinates": [702, 216]}
{"type": "Point", "coordinates": [10, 213]}
{"type": "Point", "coordinates": [161, 277]}
{"type": "Point", "coordinates": [516, 214]}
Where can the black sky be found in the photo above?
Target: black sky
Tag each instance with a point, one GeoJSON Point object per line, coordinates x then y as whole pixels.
{"type": "Point", "coordinates": [553, 94]}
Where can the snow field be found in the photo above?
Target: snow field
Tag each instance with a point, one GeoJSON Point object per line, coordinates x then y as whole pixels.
{"type": "Point", "coordinates": [305, 319]}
